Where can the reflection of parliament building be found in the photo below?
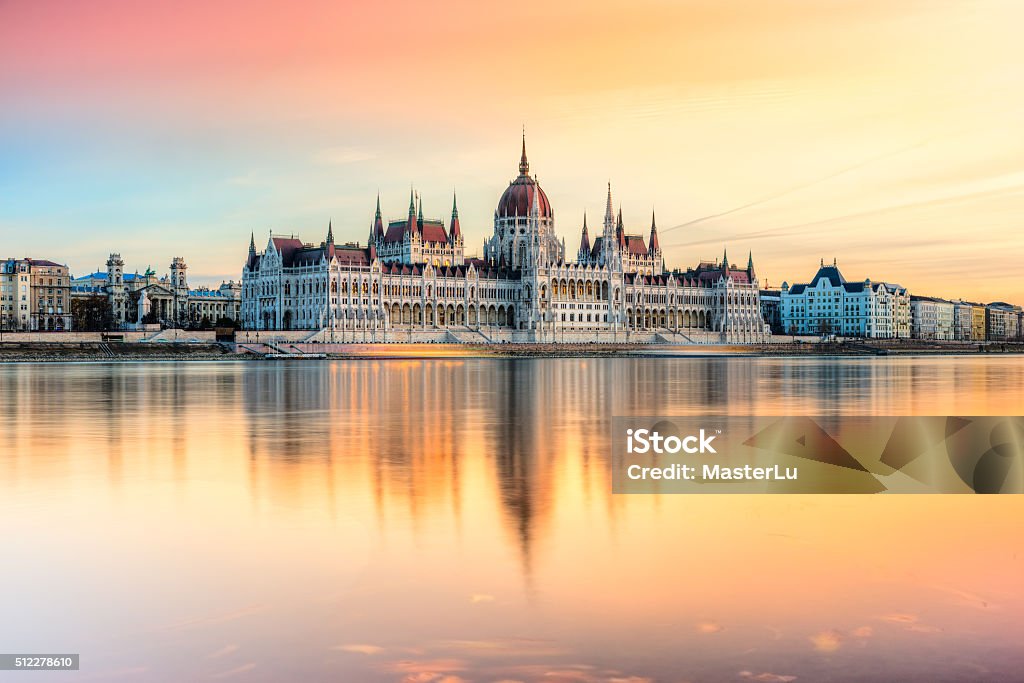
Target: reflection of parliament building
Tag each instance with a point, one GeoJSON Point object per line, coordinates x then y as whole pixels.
{"type": "Point", "coordinates": [413, 282]}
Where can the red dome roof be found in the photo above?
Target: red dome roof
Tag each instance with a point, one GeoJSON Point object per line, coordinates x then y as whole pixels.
{"type": "Point", "coordinates": [517, 200]}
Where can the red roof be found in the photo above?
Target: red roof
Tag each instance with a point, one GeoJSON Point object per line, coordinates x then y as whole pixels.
{"type": "Point", "coordinates": [433, 231]}
{"type": "Point", "coordinates": [635, 245]}
{"type": "Point", "coordinates": [517, 200]}
{"type": "Point", "coordinates": [396, 231]}
{"type": "Point", "coordinates": [287, 246]}
{"type": "Point", "coordinates": [713, 275]}
{"type": "Point", "coordinates": [352, 256]}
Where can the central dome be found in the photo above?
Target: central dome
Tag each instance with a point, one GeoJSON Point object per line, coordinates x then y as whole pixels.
{"type": "Point", "coordinates": [517, 200]}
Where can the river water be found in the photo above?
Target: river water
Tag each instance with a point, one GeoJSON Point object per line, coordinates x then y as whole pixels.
{"type": "Point", "coordinates": [452, 520]}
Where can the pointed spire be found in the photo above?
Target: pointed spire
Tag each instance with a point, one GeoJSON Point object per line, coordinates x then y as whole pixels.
{"type": "Point", "coordinates": [330, 232]}
{"type": "Point", "coordinates": [456, 230]}
{"type": "Point", "coordinates": [584, 238]}
{"type": "Point", "coordinates": [412, 202]}
{"type": "Point", "coordinates": [750, 262]}
{"type": "Point", "coordinates": [608, 215]}
{"type": "Point", "coordinates": [725, 259]}
{"type": "Point", "coordinates": [252, 243]}
{"type": "Point", "coordinates": [654, 244]}
{"type": "Point", "coordinates": [524, 165]}
{"type": "Point", "coordinates": [378, 222]}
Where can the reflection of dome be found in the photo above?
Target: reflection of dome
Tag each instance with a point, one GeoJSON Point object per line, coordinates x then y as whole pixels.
{"type": "Point", "coordinates": [517, 200]}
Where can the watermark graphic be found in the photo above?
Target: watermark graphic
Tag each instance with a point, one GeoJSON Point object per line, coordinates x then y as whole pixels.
{"type": "Point", "coordinates": [829, 454]}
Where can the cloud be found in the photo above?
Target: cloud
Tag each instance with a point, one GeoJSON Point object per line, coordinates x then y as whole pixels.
{"type": "Point", "coordinates": [899, 618]}
{"type": "Point", "coordinates": [766, 677]}
{"type": "Point", "coordinates": [226, 650]}
{"type": "Point", "coordinates": [910, 622]}
{"type": "Point", "coordinates": [434, 666]}
{"type": "Point", "coordinates": [709, 627]}
{"type": "Point", "coordinates": [427, 677]}
{"type": "Point", "coordinates": [237, 670]}
{"type": "Point", "coordinates": [827, 641]}
{"type": "Point", "coordinates": [359, 649]}
{"type": "Point", "coordinates": [503, 647]}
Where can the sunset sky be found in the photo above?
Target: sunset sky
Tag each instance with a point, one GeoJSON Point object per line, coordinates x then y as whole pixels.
{"type": "Point", "coordinates": [886, 134]}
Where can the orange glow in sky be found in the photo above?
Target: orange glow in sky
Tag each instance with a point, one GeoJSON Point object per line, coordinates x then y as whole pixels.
{"type": "Point", "coordinates": [882, 133]}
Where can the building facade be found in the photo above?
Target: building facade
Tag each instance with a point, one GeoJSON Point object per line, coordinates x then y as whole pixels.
{"type": "Point", "coordinates": [932, 319]}
{"type": "Point", "coordinates": [968, 321]}
{"type": "Point", "coordinates": [1002, 322]}
{"type": "Point", "coordinates": [829, 305]}
{"type": "Point", "coordinates": [35, 295]}
{"type": "Point", "coordinates": [771, 310]}
{"type": "Point", "coordinates": [140, 299]}
{"type": "Point", "coordinates": [413, 275]}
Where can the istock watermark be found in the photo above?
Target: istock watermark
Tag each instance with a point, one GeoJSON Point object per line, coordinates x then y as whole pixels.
{"type": "Point", "coordinates": [833, 454]}
{"type": "Point", "coordinates": [646, 440]}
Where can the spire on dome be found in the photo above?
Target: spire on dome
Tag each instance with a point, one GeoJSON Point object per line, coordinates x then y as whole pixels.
{"type": "Point", "coordinates": [524, 165]}
{"type": "Point", "coordinates": [654, 244]}
{"type": "Point", "coordinates": [456, 229]}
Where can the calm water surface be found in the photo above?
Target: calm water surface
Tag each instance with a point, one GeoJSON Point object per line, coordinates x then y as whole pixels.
{"type": "Point", "coordinates": [451, 520]}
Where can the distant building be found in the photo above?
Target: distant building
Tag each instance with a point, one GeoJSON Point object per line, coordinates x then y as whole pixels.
{"type": "Point", "coordinates": [414, 275]}
{"type": "Point", "coordinates": [34, 295]}
{"type": "Point", "coordinates": [932, 318]}
{"type": "Point", "coordinates": [829, 304]}
{"type": "Point", "coordinates": [771, 310]}
{"type": "Point", "coordinates": [1002, 321]}
{"type": "Point", "coordinates": [968, 321]}
{"type": "Point", "coordinates": [166, 300]}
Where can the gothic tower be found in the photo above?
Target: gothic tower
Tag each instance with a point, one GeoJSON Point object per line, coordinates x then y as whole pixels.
{"type": "Point", "coordinates": [179, 289]}
{"type": "Point", "coordinates": [116, 291]}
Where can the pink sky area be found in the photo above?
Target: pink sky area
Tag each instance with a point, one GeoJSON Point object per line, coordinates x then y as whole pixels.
{"type": "Point", "coordinates": [885, 134]}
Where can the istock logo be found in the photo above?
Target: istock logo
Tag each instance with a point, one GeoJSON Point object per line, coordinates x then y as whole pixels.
{"type": "Point", "coordinates": [645, 441]}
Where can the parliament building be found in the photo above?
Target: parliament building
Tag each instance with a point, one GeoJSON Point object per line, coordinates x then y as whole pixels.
{"type": "Point", "coordinates": [412, 281]}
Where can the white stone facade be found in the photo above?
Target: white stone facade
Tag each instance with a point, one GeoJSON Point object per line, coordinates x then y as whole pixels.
{"type": "Point", "coordinates": [523, 289]}
{"type": "Point", "coordinates": [931, 319]}
{"type": "Point", "coordinates": [829, 305]}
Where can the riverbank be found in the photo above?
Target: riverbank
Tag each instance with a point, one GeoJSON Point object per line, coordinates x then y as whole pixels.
{"type": "Point", "coordinates": [63, 352]}
{"type": "Point", "coordinates": [35, 352]}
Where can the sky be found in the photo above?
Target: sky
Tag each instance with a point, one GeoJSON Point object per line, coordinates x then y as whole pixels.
{"type": "Point", "coordinates": [883, 134]}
